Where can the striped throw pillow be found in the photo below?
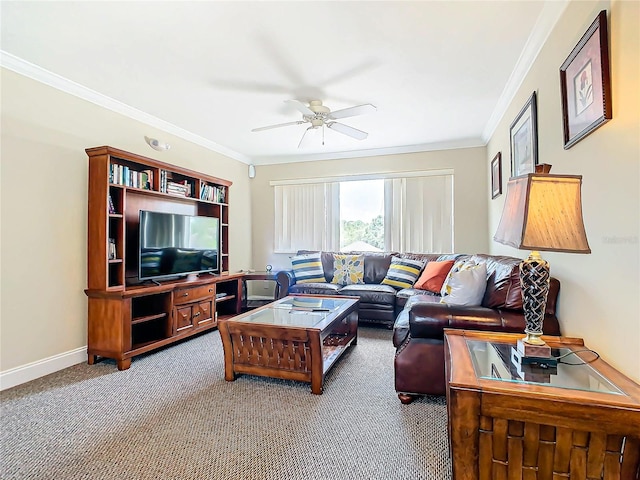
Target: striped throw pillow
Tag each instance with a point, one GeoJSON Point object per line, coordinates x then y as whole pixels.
{"type": "Point", "coordinates": [403, 272]}
{"type": "Point", "coordinates": [308, 268]}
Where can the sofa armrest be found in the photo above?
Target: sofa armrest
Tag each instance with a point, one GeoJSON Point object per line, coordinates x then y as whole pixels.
{"type": "Point", "coordinates": [285, 279]}
{"type": "Point", "coordinates": [428, 320]}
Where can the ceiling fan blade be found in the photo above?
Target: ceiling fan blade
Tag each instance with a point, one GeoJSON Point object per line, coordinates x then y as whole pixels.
{"type": "Point", "coordinates": [259, 129]}
{"type": "Point", "coordinates": [352, 111]}
{"type": "Point", "coordinates": [347, 130]}
{"type": "Point", "coordinates": [304, 135]}
{"type": "Point", "coordinates": [301, 107]}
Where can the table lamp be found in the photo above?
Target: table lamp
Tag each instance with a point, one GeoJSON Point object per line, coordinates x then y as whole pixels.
{"type": "Point", "coordinates": [541, 212]}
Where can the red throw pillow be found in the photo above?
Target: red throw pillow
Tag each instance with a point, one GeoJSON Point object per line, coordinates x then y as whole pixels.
{"type": "Point", "coordinates": [433, 276]}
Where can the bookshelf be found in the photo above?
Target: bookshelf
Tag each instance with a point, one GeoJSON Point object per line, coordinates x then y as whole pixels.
{"type": "Point", "coordinates": [126, 318]}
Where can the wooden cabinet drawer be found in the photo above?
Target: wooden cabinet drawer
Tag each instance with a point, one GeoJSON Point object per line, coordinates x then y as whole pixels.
{"type": "Point", "coordinates": [203, 313]}
{"type": "Point", "coordinates": [184, 318]}
{"type": "Point", "coordinates": [191, 294]}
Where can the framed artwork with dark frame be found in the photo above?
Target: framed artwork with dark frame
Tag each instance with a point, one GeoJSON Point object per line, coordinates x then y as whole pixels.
{"type": "Point", "coordinates": [496, 175]}
{"type": "Point", "coordinates": [523, 135]}
{"type": "Point", "coordinates": [585, 84]}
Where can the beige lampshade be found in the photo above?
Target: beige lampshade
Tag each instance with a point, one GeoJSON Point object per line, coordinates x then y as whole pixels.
{"type": "Point", "coordinates": [544, 212]}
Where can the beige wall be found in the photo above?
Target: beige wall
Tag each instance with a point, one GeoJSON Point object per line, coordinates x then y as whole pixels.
{"type": "Point", "coordinates": [44, 211]}
{"type": "Point", "coordinates": [600, 294]}
{"type": "Point", "coordinates": [470, 188]}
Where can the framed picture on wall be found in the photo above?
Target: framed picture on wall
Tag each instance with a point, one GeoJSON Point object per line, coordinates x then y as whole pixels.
{"type": "Point", "coordinates": [523, 135]}
{"type": "Point", "coordinates": [585, 84]}
{"type": "Point", "coordinates": [496, 175]}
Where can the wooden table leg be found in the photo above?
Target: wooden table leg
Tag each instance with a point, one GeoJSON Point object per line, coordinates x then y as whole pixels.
{"type": "Point", "coordinates": [124, 364]}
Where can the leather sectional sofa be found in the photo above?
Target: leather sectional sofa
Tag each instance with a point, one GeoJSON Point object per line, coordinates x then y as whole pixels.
{"type": "Point", "coordinates": [419, 319]}
{"type": "Point", "coordinates": [418, 333]}
{"type": "Point", "coordinates": [379, 304]}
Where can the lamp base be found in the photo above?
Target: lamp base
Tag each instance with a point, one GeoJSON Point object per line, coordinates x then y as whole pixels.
{"type": "Point", "coordinates": [534, 370]}
{"type": "Point", "coordinates": [527, 350]}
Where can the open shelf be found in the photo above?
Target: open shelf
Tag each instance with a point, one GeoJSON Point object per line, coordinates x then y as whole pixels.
{"type": "Point", "coordinates": [127, 317]}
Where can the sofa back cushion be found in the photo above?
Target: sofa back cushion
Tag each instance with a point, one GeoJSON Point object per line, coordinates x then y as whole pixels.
{"type": "Point", "coordinates": [503, 282]}
{"type": "Point", "coordinates": [376, 264]}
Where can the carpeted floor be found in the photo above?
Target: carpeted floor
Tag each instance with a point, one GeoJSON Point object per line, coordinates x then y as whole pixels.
{"type": "Point", "coordinates": [173, 416]}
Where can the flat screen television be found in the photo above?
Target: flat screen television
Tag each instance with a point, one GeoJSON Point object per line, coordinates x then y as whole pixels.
{"type": "Point", "coordinates": [173, 245]}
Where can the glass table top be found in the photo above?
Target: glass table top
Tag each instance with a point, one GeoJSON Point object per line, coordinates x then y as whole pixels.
{"type": "Point", "coordinates": [304, 312]}
{"type": "Point", "coordinates": [499, 361]}
{"type": "Point", "coordinates": [314, 304]}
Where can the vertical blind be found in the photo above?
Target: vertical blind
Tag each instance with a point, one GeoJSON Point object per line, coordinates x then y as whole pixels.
{"type": "Point", "coordinates": [307, 217]}
{"type": "Point", "coordinates": [418, 215]}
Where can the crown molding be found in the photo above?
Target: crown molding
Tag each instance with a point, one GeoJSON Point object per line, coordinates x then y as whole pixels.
{"type": "Point", "coordinates": [373, 152]}
{"type": "Point", "coordinates": [39, 74]}
{"type": "Point", "coordinates": [549, 17]}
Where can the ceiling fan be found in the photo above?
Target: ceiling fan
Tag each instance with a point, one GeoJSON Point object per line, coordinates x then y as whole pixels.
{"type": "Point", "coordinates": [318, 115]}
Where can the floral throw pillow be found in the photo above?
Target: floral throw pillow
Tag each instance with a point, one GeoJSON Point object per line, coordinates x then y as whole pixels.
{"type": "Point", "coordinates": [349, 269]}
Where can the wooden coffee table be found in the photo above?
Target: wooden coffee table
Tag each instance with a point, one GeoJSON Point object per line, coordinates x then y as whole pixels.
{"type": "Point", "coordinates": [295, 338]}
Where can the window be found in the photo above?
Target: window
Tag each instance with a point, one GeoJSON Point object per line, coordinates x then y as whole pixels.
{"type": "Point", "coordinates": [362, 215]}
{"type": "Point", "coordinates": [410, 212]}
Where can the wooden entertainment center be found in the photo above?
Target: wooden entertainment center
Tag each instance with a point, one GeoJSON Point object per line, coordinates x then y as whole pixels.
{"type": "Point", "coordinates": [127, 317]}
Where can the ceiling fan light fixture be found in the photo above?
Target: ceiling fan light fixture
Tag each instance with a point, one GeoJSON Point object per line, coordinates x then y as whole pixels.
{"type": "Point", "coordinates": [318, 115]}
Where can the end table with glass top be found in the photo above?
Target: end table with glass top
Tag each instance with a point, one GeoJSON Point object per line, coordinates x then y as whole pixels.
{"type": "Point", "coordinates": [578, 420]}
{"type": "Point", "coordinates": [294, 338]}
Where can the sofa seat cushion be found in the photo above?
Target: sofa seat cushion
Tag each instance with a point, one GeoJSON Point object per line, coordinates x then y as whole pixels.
{"type": "Point", "coordinates": [314, 288]}
{"type": "Point", "coordinates": [371, 294]}
{"type": "Point", "coordinates": [401, 328]}
{"type": "Point", "coordinates": [402, 296]}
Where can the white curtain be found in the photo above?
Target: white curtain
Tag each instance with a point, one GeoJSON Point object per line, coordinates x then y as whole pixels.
{"type": "Point", "coordinates": [419, 214]}
{"type": "Point", "coordinates": [307, 217]}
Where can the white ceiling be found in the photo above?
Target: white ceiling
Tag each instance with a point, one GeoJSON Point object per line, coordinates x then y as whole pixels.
{"type": "Point", "coordinates": [439, 73]}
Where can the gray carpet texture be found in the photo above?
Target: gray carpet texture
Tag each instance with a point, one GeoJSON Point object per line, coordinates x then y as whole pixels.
{"type": "Point", "coordinates": [173, 416]}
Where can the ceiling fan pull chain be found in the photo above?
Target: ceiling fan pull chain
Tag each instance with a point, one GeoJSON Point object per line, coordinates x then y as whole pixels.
{"type": "Point", "coordinates": [323, 134]}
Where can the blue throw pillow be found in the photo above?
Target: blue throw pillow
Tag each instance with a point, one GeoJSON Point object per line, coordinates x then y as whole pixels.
{"type": "Point", "coordinates": [403, 272]}
{"type": "Point", "coordinates": [308, 268]}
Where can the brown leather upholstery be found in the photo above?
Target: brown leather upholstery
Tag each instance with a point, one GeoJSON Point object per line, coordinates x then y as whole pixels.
{"type": "Point", "coordinates": [418, 333]}
{"type": "Point", "coordinates": [501, 306]}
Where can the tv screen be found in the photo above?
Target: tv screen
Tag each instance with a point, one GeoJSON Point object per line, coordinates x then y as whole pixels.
{"type": "Point", "coordinates": [173, 245]}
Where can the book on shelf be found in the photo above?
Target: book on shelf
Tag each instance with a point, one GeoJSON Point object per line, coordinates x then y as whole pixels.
{"type": "Point", "coordinates": [112, 208]}
{"type": "Point", "coordinates": [180, 189]}
{"type": "Point", "coordinates": [212, 193]}
{"type": "Point", "coordinates": [123, 175]}
{"type": "Point", "coordinates": [147, 179]}
{"type": "Point", "coordinates": [112, 249]}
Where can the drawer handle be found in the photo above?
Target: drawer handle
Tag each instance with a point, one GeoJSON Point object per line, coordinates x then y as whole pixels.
{"type": "Point", "coordinates": [210, 290]}
{"type": "Point", "coordinates": [196, 315]}
{"type": "Point", "coordinates": [185, 294]}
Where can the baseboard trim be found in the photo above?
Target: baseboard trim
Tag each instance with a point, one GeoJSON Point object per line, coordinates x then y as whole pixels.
{"type": "Point", "coordinates": [40, 368]}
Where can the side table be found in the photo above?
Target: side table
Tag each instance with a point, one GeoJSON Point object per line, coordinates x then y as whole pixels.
{"type": "Point", "coordinates": [253, 301]}
{"type": "Point", "coordinates": [507, 421]}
